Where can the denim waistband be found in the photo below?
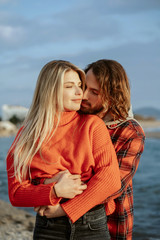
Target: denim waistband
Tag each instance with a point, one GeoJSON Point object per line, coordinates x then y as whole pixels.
{"type": "Point", "coordinates": [95, 213]}
{"type": "Point", "coordinates": [97, 207]}
{"type": "Point", "coordinates": [92, 225]}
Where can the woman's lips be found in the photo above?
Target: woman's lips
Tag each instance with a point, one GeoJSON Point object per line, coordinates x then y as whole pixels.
{"type": "Point", "coordinates": [77, 100]}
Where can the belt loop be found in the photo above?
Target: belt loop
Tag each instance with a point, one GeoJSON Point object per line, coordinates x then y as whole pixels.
{"type": "Point", "coordinates": [84, 219]}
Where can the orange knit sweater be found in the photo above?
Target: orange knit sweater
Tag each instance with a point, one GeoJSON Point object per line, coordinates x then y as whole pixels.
{"type": "Point", "coordinates": [82, 145]}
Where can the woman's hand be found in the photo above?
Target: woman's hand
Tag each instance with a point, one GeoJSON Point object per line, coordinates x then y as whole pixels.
{"type": "Point", "coordinates": [67, 185]}
{"type": "Point", "coordinates": [50, 211]}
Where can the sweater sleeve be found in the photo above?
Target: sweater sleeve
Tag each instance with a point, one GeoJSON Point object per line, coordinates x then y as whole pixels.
{"type": "Point", "coordinates": [105, 181]}
{"type": "Point", "coordinates": [26, 194]}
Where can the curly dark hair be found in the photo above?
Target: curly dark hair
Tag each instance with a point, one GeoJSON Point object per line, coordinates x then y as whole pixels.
{"type": "Point", "coordinates": [114, 85]}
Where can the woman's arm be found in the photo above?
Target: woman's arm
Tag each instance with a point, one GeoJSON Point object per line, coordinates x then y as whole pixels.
{"type": "Point", "coordinates": [106, 179]}
{"type": "Point", "coordinates": [104, 182]}
{"type": "Point", "coordinates": [26, 194]}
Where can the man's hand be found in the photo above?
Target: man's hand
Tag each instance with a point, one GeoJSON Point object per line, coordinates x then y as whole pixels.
{"type": "Point", "coordinates": [55, 178]}
{"type": "Point", "coordinates": [50, 211]}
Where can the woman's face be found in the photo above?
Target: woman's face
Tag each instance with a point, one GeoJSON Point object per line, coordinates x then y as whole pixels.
{"type": "Point", "coordinates": [72, 91]}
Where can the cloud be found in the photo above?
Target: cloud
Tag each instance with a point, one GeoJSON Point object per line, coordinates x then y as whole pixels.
{"type": "Point", "coordinates": [82, 32]}
{"type": "Point", "coordinates": [11, 35]}
{"type": "Point", "coordinates": [121, 7]}
{"type": "Point", "coordinates": [140, 61]}
{"type": "Point", "coordinates": [81, 24]}
{"type": "Point", "coordinates": [4, 1]}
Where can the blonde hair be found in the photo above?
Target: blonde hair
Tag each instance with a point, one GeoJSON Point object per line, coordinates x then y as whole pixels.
{"type": "Point", "coordinates": [43, 116]}
{"type": "Point", "coordinates": [114, 87]}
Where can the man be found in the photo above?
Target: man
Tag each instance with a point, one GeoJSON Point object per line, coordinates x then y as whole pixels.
{"type": "Point", "coordinates": [107, 94]}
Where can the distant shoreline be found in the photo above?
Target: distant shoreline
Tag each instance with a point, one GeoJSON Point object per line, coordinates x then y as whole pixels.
{"type": "Point", "coordinates": [149, 123]}
{"type": "Point", "coordinates": [149, 127]}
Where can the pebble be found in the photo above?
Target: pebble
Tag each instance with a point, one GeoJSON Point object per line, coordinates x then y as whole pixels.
{"type": "Point", "coordinates": [15, 224]}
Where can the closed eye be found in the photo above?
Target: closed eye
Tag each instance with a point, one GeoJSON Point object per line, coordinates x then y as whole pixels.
{"type": "Point", "coordinates": [95, 93]}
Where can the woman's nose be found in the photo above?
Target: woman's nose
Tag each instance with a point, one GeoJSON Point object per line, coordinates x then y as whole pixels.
{"type": "Point", "coordinates": [79, 91]}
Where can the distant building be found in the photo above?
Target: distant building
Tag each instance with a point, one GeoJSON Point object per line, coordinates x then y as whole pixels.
{"type": "Point", "coordinates": [10, 111]}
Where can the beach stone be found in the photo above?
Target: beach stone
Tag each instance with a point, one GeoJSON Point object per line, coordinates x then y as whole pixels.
{"type": "Point", "coordinates": [15, 224]}
{"type": "Point", "coordinates": [7, 129]}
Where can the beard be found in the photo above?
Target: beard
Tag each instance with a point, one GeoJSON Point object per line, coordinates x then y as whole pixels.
{"type": "Point", "coordinates": [88, 109]}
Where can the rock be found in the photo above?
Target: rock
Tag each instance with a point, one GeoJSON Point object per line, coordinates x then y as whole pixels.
{"type": "Point", "coordinates": [15, 224]}
{"type": "Point", "coordinates": [7, 129]}
{"type": "Point", "coordinates": [8, 111]}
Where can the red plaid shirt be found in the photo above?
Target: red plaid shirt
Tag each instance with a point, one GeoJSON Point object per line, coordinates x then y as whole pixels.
{"type": "Point", "coordinates": [128, 140]}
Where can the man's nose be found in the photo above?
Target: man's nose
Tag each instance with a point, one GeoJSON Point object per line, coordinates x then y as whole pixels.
{"type": "Point", "coordinates": [85, 95]}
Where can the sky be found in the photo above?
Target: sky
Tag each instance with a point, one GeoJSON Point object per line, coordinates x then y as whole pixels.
{"type": "Point", "coordinates": [33, 33]}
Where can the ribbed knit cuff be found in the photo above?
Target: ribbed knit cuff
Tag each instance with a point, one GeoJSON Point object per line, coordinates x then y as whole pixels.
{"type": "Point", "coordinates": [53, 198]}
{"type": "Point", "coordinates": [33, 196]}
{"type": "Point", "coordinates": [103, 184]}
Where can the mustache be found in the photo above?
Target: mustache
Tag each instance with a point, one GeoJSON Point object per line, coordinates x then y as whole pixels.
{"type": "Point", "coordinates": [86, 102]}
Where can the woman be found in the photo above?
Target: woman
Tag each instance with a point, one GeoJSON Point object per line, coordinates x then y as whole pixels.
{"type": "Point", "coordinates": [56, 138]}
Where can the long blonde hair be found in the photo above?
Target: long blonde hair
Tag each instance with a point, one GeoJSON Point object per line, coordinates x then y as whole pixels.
{"type": "Point", "coordinates": [43, 116]}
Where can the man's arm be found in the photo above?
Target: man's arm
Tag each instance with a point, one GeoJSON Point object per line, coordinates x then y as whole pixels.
{"type": "Point", "coordinates": [128, 157]}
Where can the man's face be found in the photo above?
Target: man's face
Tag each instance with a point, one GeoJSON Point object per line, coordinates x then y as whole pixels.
{"type": "Point", "coordinates": [92, 101]}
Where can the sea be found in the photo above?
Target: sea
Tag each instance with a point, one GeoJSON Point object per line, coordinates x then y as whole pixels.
{"type": "Point", "coordinates": [146, 186]}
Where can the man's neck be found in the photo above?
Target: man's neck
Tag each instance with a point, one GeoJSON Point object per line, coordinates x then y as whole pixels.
{"type": "Point", "coordinates": [108, 118]}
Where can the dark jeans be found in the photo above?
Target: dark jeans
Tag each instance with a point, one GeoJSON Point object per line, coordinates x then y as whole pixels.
{"type": "Point", "coordinates": [92, 225]}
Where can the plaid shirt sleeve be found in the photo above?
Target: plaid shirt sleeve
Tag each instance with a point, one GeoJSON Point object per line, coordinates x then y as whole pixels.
{"type": "Point", "coordinates": [128, 140]}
